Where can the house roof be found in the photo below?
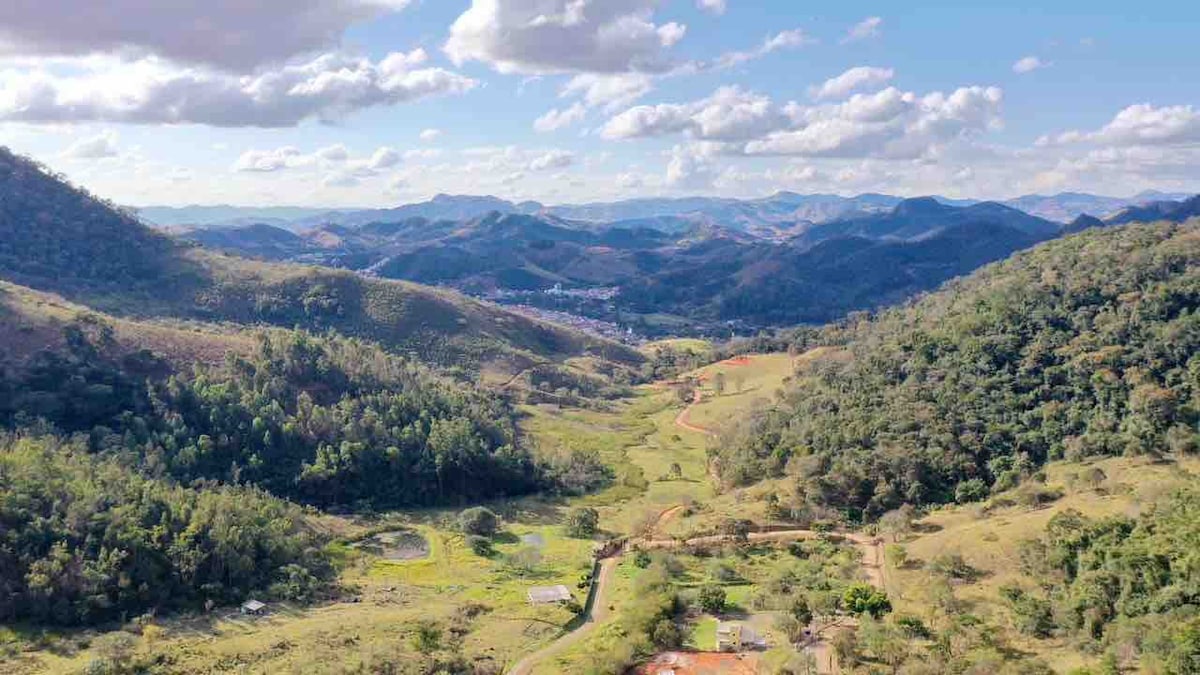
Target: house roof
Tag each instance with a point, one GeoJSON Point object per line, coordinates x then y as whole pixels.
{"type": "Point", "coordinates": [546, 594]}
{"type": "Point", "coordinates": [253, 605]}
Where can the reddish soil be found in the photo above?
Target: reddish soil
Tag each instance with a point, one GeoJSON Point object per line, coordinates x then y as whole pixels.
{"type": "Point", "coordinates": [737, 361]}
{"type": "Point", "coordinates": [701, 663]}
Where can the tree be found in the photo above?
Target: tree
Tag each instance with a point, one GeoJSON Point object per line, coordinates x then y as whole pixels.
{"type": "Point", "coordinates": [719, 383]}
{"type": "Point", "coordinates": [665, 634]}
{"type": "Point", "coordinates": [898, 522]}
{"type": "Point", "coordinates": [582, 522]}
{"type": "Point", "coordinates": [800, 610]}
{"type": "Point", "coordinates": [863, 598]}
{"type": "Point", "coordinates": [675, 471]}
{"type": "Point", "coordinates": [737, 529]}
{"type": "Point", "coordinates": [712, 598]}
{"type": "Point", "coordinates": [479, 521]}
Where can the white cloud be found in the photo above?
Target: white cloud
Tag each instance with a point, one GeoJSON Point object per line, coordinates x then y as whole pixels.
{"type": "Point", "coordinates": [336, 157]}
{"type": "Point", "coordinates": [671, 33]}
{"type": "Point", "coordinates": [716, 7]}
{"type": "Point", "coordinates": [690, 168]}
{"type": "Point", "coordinates": [334, 153]}
{"type": "Point", "coordinates": [1139, 125]}
{"type": "Point", "coordinates": [868, 28]}
{"type": "Point", "coordinates": [229, 34]}
{"type": "Point", "coordinates": [562, 36]}
{"type": "Point", "coordinates": [557, 119]}
{"type": "Point", "coordinates": [608, 91]}
{"type": "Point", "coordinates": [1028, 64]}
{"type": "Point", "coordinates": [384, 158]}
{"type": "Point", "coordinates": [788, 39]}
{"type": "Point", "coordinates": [853, 79]}
{"type": "Point", "coordinates": [267, 161]}
{"type": "Point", "coordinates": [152, 91]}
{"type": "Point", "coordinates": [890, 123]}
{"type": "Point", "coordinates": [94, 147]}
{"type": "Point", "coordinates": [430, 135]}
{"type": "Point", "coordinates": [730, 114]}
{"type": "Point", "coordinates": [553, 159]}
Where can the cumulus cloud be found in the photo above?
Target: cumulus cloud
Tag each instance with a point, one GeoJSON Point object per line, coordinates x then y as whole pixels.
{"type": "Point", "coordinates": [716, 7]}
{"type": "Point", "coordinates": [553, 159]}
{"type": "Point", "coordinates": [430, 135]}
{"type": "Point", "coordinates": [852, 80]}
{"type": "Point", "coordinates": [231, 35]}
{"type": "Point", "coordinates": [563, 36]}
{"type": "Point", "coordinates": [866, 29]}
{"type": "Point", "coordinates": [608, 91]}
{"type": "Point", "coordinates": [1028, 64]}
{"type": "Point", "coordinates": [557, 119]}
{"type": "Point", "coordinates": [151, 91]}
{"type": "Point", "coordinates": [336, 158]}
{"type": "Point", "coordinates": [890, 123]}
{"type": "Point", "coordinates": [730, 114]}
{"type": "Point", "coordinates": [384, 158]}
{"type": "Point", "coordinates": [267, 161]}
{"type": "Point", "coordinates": [788, 39]}
{"type": "Point", "coordinates": [94, 147]}
{"type": "Point", "coordinates": [1139, 125]}
{"type": "Point", "coordinates": [334, 153]}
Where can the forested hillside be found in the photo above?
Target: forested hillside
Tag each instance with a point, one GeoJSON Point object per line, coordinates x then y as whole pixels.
{"type": "Point", "coordinates": [56, 238]}
{"type": "Point", "coordinates": [87, 540]}
{"type": "Point", "coordinates": [1084, 346]}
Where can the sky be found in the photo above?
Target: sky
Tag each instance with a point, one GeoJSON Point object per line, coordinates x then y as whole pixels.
{"type": "Point", "coordinates": [344, 103]}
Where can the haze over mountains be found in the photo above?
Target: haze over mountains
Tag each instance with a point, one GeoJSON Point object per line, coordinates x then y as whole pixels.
{"type": "Point", "coordinates": [693, 264]}
{"type": "Point", "coordinates": [751, 215]}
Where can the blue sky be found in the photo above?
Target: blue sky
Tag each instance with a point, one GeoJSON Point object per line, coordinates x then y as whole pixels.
{"type": "Point", "coordinates": [376, 102]}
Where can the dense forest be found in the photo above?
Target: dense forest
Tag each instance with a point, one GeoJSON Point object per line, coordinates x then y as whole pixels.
{"type": "Point", "coordinates": [327, 421]}
{"type": "Point", "coordinates": [1084, 346]}
{"type": "Point", "coordinates": [85, 540]}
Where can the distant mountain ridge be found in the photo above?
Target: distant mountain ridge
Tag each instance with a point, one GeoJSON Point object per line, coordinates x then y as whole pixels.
{"type": "Point", "coordinates": [777, 215]}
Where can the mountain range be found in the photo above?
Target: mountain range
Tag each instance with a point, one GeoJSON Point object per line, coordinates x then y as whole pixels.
{"type": "Point", "coordinates": [765, 216]}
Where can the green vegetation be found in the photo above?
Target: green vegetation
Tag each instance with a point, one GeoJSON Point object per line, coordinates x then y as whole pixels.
{"type": "Point", "coordinates": [1082, 347]}
{"type": "Point", "coordinates": [1128, 585]}
{"type": "Point", "coordinates": [87, 540]}
{"type": "Point", "coordinates": [327, 421]}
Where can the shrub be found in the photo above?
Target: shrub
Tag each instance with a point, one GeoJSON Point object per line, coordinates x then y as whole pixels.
{"type": "Point", "coordinates": [481, 546]}
{"type": "Point", "coordinates": [712, 599]}
{"type": "Point", "coordinates": [582, 522]}
{"type": "Point", "coordinates": [479, 521]}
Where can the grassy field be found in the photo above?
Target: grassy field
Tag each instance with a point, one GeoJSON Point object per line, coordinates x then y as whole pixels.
{"type": "Point", "coordinates": [988, 540]}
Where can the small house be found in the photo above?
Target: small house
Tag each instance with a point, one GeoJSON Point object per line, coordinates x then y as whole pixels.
{"type": "Point", "coordinates": [254, 608]}
{"type": "Point", "coordinates": [729, 637]}
{"type": "Point", "coordinates": [736, 637]}
{"type": "Point", "coordinates": [548, 595]}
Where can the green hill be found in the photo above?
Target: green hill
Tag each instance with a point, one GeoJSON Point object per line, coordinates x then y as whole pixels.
{"type": "Point", "coordinates": [57, 238]}
{"type": "Point", "coordinates": [1084, 346]}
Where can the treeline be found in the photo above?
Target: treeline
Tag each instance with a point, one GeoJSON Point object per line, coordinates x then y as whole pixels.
{"type": "Point", "coordinates": [327, 421]}
{"type": "Point", "coordinates": [1086, 346]}
{"type": "Point", "coordinates": [85, 540]}
{"type": "Point", "coordinates": [1128, 586]}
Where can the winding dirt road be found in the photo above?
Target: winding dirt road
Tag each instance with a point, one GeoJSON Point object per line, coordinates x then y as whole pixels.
{"type": "Point", "coordinates": [681, 420]}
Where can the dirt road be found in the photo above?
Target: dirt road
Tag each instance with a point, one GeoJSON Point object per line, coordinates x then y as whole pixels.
{"type": "Point", "coordinates": [599, 613]}
{"type": "Point", "coordinates": [682, 422]}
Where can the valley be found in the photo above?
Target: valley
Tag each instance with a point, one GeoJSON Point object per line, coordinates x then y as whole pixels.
{"type": "Point", "coordinates": [212, 463]}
